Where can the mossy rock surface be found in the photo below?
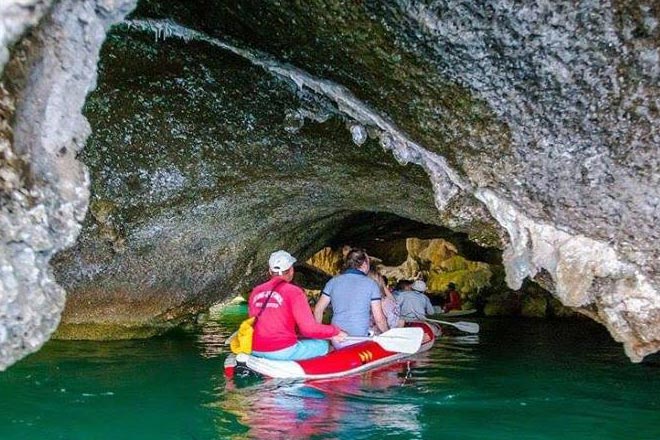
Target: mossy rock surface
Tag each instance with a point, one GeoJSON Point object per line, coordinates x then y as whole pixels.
{"type": "Point", "coordinates": [502, 305]}
{"type": "Point", "coordinates": [106, 332]}
{"type": "Point", "coordinates": [534, 307]}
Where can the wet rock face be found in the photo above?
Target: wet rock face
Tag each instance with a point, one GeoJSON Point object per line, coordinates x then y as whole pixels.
{"type": "Point", "coordinates": [534, 128]}
{"type": "Point", "coordinates": [15, 17]}
{"type": "Point", "coordinates": [546, 113]}
{"type": "Point", "coordinates": [199, 171]}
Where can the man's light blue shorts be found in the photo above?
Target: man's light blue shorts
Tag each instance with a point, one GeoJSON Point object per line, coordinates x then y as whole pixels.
{"type": "Point", "coordinates": [303, 349]}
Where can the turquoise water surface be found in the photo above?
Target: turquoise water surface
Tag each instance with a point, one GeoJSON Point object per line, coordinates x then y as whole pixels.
{"type": "Point", "coordinates": [516, 380]}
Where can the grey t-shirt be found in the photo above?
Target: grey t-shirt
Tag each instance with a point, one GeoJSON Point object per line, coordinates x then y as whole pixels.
{"type": "Point", "coordinates": [414, 305]}
{"type": "Point", "coordinates": [350, 295]}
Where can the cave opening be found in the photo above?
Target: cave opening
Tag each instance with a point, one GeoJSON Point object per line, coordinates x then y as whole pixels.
{"type": "Point", "coordinates": [404, 249]}
{"type": "Point", "coordinates": [153, 154]}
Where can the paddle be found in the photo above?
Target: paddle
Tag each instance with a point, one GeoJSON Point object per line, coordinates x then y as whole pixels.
{"type": "Point", "coordinates": [467, 327]}
{"type": "Point", "coordinates": [400, 340]}
{"type": "Point", "coordinates": [232, 336]}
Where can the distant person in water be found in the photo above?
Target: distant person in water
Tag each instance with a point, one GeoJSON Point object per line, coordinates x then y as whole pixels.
{"type": "Point", "coordinates": [401, 286]}
{"type": "Point", "coordinates": [454, 299]}
{"type": "Point", "coordinates": [281, 307]}
{"type": "Point", "coordinates": [388, 302]}
{"type": "Point", "coordinates": [415, 305]}
{"type": "Point", "coordinates": [354, 297]}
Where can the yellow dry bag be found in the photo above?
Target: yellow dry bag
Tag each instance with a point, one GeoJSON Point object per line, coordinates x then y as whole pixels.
{"type": "Point", "coordinates": [242, 342]}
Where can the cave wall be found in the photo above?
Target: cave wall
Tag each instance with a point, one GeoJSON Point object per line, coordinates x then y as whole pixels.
{"type": "Point", "coordinates": [546, 114]}
{"type": "Point", "coordinates": [44, 190]}
{"type": "Point", "coordinates": [198, 174]}
{"type": "Point", "coordinates": [533, 128]}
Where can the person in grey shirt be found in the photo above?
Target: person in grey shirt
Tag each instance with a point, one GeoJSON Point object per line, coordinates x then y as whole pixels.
{"type": "Point", "coordinates": [353, 297]}
{"type": "Point", "coordinates": [415, 305]}
{"type": "Point", "coordinates": [401, 287]}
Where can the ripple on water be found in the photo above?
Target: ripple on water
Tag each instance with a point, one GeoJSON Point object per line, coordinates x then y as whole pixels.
{"type": "Point", "coordinates": [515, 380]}
{"type": "Point", "coordinates": [383, 402]}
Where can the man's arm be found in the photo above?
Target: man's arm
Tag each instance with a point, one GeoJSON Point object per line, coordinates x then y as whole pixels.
{"type": "Point", "coordinates": [306, 323]}
{"type": "Point", "coordinates": [320, 307]}
{"type": "Point", "coordinates": [379, 316]}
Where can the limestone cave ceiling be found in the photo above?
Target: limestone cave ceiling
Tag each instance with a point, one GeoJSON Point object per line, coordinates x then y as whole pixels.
{"type": "Point", "coordinates": [221, 130]}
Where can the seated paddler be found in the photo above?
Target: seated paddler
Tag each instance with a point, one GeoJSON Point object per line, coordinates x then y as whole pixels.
{"type": "Point", "coordinates": [353, 297]}
{"type": "Point", "coordinates": [281, 307]}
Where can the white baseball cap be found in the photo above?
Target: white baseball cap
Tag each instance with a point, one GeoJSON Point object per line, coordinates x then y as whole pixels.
{"type": "Point", "coordinates": [419, 286]}
{"type": "Point", "coordinates": [280, 261]}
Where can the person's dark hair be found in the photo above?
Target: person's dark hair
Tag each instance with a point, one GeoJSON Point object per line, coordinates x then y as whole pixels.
{"type": "Point", "coordinates": [355, 258]}
{"type": "Point", "coordinates": [451, 286]}
{"type": "Point", "coordinates": [403, 284]}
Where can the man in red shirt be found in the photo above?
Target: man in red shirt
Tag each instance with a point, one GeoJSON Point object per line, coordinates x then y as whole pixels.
{"type": "Point", "coordinates": [280, 307]}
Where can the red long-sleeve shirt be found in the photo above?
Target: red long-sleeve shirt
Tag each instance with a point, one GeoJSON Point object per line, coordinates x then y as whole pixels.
{"type": "Point", "coordinates": [454, 301]}
{"type": "Point", "coordinates": [287, 309]}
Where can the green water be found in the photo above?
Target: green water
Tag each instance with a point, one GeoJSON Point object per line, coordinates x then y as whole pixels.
{"type": "Point", "coordinates": [517, 379]}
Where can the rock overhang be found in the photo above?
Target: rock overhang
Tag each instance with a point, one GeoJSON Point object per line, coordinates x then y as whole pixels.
{"type": "Point", "coordinates": [509, 117]}
{"type": "Point", "coordinates": [197, 174]}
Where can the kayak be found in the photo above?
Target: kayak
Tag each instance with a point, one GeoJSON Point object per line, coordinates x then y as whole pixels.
{"type": "Point", "coordinates": [451, 313]}
{"type": "Point", "coordinates": [346, 361]}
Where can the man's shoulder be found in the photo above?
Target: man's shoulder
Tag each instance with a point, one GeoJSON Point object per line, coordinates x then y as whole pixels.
{"type": "Point", "coordinates": [405, 296]}
{"type": "Point", "coordinates": [330, 282]}
{"type": "Point", "coordinates": [260, 287]}
{"type": "Point", "coordinates": [361, 278]}
{"type": "Point", "coordinates": [342, 278]}
{"type": "Point", "coordinates": [354, 278]}
{"type": "Point", "coordinates": [281, 287]}
{"type": "Point", "coordinates": [418, 295]}
{"type": "Point", "coordinates": [289, 287]}
{"type": "Point", "coordinates": [370, 281]}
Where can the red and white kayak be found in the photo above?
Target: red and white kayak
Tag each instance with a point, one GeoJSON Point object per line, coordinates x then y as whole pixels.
{"type": "Point", "coordinates": [350, 360]}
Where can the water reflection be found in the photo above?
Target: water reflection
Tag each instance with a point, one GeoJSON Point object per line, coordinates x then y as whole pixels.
{"type": "Point", "coordinates": [505, 381]}
{"type": "Point", "coordinates": [212, 339]}
{"type": "Point", "coordinates": [464, 340]}
{"type": "Point", "coordinates": [360, 405]}
{"type": "Point", "coordinates": [375, 403]}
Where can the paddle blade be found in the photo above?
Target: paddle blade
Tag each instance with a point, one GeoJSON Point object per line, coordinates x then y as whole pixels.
{"type": "Point", "coordinates": [401, 340]}
{"type": "Point", "coordinates": [467, 327]}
